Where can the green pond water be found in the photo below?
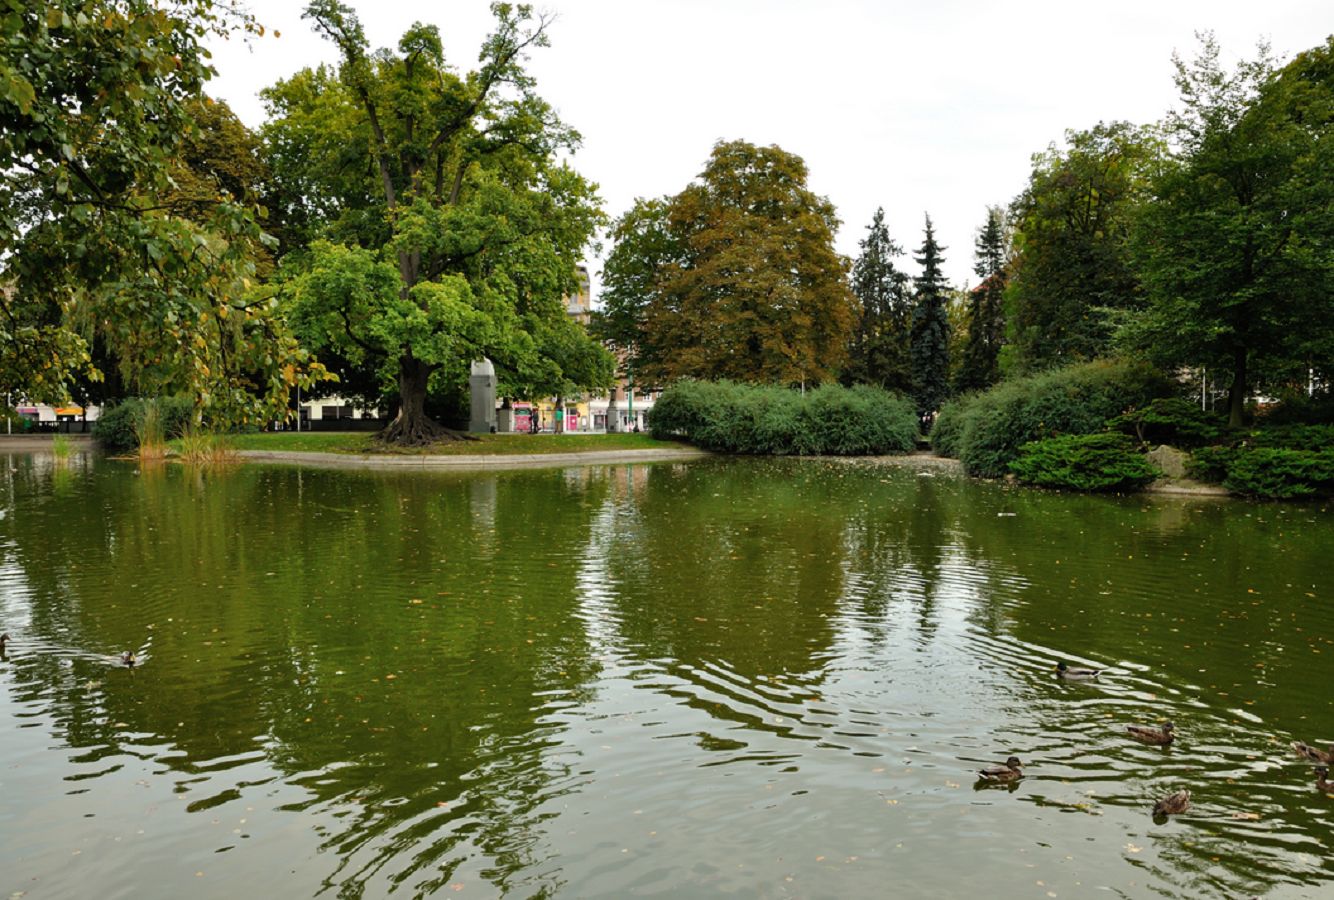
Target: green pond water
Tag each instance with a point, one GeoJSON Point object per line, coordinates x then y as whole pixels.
{"type": "Point", "coordinates": [721, 678]}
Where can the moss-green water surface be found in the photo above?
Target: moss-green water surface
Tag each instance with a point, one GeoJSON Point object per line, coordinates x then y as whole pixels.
{"type": "Point", "coordinates": [721, 678]}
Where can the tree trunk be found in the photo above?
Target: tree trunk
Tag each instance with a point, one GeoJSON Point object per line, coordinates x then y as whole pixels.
{"type": "Point", "coordinates": [1236, 393]}
{"type": "Point", "coordinates": [412, 427]}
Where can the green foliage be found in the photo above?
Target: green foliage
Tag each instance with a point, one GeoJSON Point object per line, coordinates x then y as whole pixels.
{"type": "Point", "coordinates": [112, 232]}
{"type": "Point", "coordinates": [734, 277]}
{"type": "Point", "coordinates": [1075, 400]}
{"type": "Point", "coordinates": [1300, 408]}
{"type": "Point", "coordinates": [444, 223]}
{"type": "Point", "coordinates": [117, 429]}
{"type": "Point", "coordinates": [980, 366]}
{"type": "Point", "coordinates": [947, 431]}
{"type": "Point", "coordinates": [1084, 462]}
{"type": "Point", "coordinates": [1282, 474]}
{"type": "Point", "coordinates": [61, 447]}
{"type": "Point", "coordinates": [1295, 436]}
{"type": "Point", "coordinates": [1169, 420]}
{"type": "Point", "coordinates": [832, 420]}
{"type": "Point", "coordinates": [1212, 463]}
{"type": "Point", "coordinates": [930, 329]}
{"type": "Point", "coordinates": [1237, 252]}
{"type": "Point", "coordinates": [879, 351]}
{"type": "Point", "coordinates": [1072, 260]}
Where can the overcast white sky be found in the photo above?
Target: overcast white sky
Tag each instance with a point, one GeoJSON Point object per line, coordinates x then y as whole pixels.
{"type": "Point", "coordinates": [928, 106]}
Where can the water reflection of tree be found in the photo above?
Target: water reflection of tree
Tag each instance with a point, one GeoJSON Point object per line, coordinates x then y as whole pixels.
{"type": "Point", "coordinates": [740, 564]}
{"type": "Point", "coordinates": [335, 625]}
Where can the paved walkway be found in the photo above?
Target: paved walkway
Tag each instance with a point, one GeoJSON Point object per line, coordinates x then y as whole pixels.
{"type": "Point", "coordinates": [474, 461]}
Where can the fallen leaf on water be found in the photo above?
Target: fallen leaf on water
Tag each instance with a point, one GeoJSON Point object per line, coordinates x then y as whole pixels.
{"type": "Point", "coordinates": [1132, 848]}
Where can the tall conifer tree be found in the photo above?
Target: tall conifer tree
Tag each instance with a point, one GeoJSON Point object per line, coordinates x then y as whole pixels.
{"type": "Point", "coordinates": [986, 322]}
{"type": "Point", "coordinates": [930, 329]}
{"type": "Point", "coordinates": [879, 350]}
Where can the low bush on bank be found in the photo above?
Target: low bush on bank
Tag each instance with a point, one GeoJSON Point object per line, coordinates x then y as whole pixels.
{"type": "Point", "coordinates": [831, 420]}
{"type": "Point", "coordinates": [987, 431]}
{"type": "Point", "coordinates": [1169, 420]}
{"type": "Point", "coordinates": [947, 431]}
{"type": "Point", "coordinates": [1084, 462]}
{"type": "Point", "coordinates": [1282, 474]}
{"type": "Point", "coordinates": [117, 429]}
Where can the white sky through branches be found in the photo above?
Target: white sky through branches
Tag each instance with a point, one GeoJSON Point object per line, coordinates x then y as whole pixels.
{"type": "Point", "coordinates": [915, 106]}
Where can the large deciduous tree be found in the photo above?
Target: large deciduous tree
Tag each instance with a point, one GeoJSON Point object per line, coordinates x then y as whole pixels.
{"type": "Point", "coordinates": [880, 350]}
{"type": "Point", "coordinates": [930, 328]}
{"type": "Point", "coordinates": [979, 367]}
{"type": "Point", "coordinates": [1071, 230]}
{"type": "Point", "coordinates": [101, 241]}
{"type": "Point", "coordinates": [446, 227]}
{"type": "Point", "coordinates": [734, 277]}
{"type": "Point", "coordinates": [1238, 249]}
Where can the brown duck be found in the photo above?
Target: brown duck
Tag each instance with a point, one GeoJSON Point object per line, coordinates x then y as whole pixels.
{"type": "Point", "coordinates": [1322, 785]}
{"type": "Point", "coordinates": [1315, 754]}
{"type": "Point", "coordinates": [1172, 804]}
{"type": "Point", "coordinates": [1147, 734]}
{"type": "Point", "coordinates": [1008, 772]}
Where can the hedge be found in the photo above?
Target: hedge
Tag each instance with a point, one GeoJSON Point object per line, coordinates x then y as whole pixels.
{"type": "Point", "coordinates": [831, 420]}
{"type": "Point", "coordinates": [1084, 462]}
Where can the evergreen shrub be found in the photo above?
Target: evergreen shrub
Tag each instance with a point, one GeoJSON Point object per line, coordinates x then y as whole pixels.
{"type": "Point", "coordinates": [1282, 474]}
{"type": "Point", "coordinates": [831, 420]}
{"type": "Point", "coordinates": [948, 429]}
{"type": "Point", "coordinates": [1084, 462]}
{"type": "Point", "coordinates": [114, 430]}
{"type": "Point", "coordinates": [1077, 399]}
{"type": "Point", "coordinates": [1169, 420]}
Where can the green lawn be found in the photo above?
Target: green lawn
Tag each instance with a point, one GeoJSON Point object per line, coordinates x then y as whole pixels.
{"type": "Point", "coordinates": [486, 444]}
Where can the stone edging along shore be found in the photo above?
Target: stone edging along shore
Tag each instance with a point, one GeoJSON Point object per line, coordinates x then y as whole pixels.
{"type": "Point", "coordinates": [476, 461]}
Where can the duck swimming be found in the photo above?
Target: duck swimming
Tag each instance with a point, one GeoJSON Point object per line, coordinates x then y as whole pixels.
{"type": "Point", "coordinates": [1322, 785]}
{"type": "Point", "coordinates": [1069, 674]}
{"type": "Point", "coordinates": [1147, 734]}
{"type": "Point", "coordinates": [128, 659]}
{"type": "Point", "coordinates": [1172, 804]}
{"type": "Point", "coordinates": [1008, 772]}
{"type": "Point", "coordinates": [1315, 754]}
{"type": "Point", "coordinates": [3, 639]}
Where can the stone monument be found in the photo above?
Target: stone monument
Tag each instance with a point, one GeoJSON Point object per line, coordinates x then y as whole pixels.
{"type": "Point", "coordinates": [482, 418]}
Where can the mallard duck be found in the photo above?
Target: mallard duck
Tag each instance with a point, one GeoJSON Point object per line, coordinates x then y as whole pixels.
{"type": "Point", "coordinates": [1321, 774]}
{"type": "Point", "coordinates": [1147, 734]}
{"type": "Point", "coordinates": [1172, 804]}
{"type": "Point", "coordinates": [128, 659]}
{"type": "Point", "coordinates": [1314, 754]}
{"type": "Point", "coordinates": [1008, 772]}
{"type": "Point", "coordinates": [1069, 674]}
{"type": "Point", "coordinates": [3, 639]}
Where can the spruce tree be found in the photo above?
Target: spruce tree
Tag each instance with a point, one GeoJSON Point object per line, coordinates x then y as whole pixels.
{"type": "Point", "coordinates": [879, 350]}
{"type": "Point", "coordinates": [986, 322]}
{"type": "Point", "coordinates": [930, 330]}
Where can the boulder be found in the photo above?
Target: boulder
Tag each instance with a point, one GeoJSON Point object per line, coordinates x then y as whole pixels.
{"type": "Point", "coordinates": [1170, 460]}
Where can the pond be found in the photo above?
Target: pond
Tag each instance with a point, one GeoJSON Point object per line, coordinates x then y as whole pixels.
{"type": "Point", "coordinates": [719, 678]}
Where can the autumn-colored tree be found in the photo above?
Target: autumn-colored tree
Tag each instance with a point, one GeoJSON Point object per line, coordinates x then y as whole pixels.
{"type": "Point", "coordinates": [734, 277]}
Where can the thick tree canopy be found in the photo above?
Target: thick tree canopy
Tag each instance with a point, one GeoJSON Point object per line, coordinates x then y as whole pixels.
{"type": "Point", "coordinates": [445, 228]}
{"type": "Point", "coordinates": [735, 277]}
{"type": "Point", "coordinates": [98, 100]}
{"type": "Point", "coordinates": [879, 352]}
{"type": "Point", "coordinates": [1237, 252]}
{"type": "Point", "coordinates": [1071, 231]}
